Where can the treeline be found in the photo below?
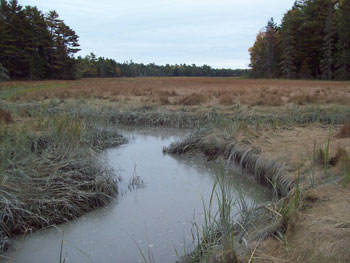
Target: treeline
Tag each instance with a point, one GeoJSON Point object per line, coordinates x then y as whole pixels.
{"type": "Point", "coordinates": [130, 69]}
{"type": "Point", "coordinates": [34, 45]}
{"type": "Point", "coordinates": [312, 42]}
{"type": "Point", "coordinates": [91, 66]}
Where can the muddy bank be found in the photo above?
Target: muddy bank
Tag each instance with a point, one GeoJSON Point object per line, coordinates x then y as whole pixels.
{"type": "Point", "coordinates": [270, 173]}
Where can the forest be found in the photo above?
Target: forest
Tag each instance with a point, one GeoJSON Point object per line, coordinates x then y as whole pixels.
{"type": "Point", "coordinates": [91, 66]}
{"type": "Point", "coordinates": [34, 45]}
{"type": "Point", "coordinates": [312, 42]}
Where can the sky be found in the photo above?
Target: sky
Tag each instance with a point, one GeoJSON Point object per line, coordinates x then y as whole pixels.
{"type": "Point", "coordinates": [217, 33]}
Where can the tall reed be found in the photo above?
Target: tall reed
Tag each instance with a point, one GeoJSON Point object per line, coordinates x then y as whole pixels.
{"type": "Point", "coordinates": [218, 228]}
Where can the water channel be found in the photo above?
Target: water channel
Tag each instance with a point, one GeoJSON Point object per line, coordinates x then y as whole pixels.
{"type": "Point", "coordinates": [154, 214]}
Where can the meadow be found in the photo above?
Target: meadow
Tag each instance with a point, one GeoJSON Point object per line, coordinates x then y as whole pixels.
{"type": "Point", "coordinates": [291, 135]}
{"type": "Point", "coordinates": [187, 91]}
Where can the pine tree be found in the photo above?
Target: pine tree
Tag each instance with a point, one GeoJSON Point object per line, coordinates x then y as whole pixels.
{"type": "Point", "coordinates": [14, 41]}
{"type": "Point", "coordinates": [343, 46]}
{"type": "Point", "coordinates": [328, 48]}
{"type": "Point", "coordinates": [271, 46]}
{"type": "Point", "coordinates": [288, 42]}
{"type": "Point", "coordinates": [38, 44]}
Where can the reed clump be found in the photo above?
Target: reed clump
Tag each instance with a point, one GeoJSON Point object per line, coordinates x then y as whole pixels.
{"type": "Point", "coordinates": [215, 238]}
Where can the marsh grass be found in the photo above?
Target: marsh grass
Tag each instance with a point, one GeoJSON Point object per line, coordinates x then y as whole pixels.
{"type": "Point", "coordinates": [215, 237]}
{"type": "Point", "coordinates": [245, 91]}
{"type": "Point", "coordinates": [49, 173]}
{"type": "Point", "coordinates": [346, 168]}
{"type": "Point", "coordinates": [5, 116]}
{"type": "Point", "coordinates": [324, 155]}
{"type": "Point", "coordinates": [292, 205]}
{"type": "Point", "coordinates": [226, 100]}
{"type": "Point", "coordinates": [313, 161]}
{"type": "Point", "coordinates": [344, 131]}
{"type": "Point", "coordinates": [193, 99]}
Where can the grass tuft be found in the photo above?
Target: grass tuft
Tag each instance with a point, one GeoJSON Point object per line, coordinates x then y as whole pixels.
{"type": "Point", "coordinates": [215, 238]}
{"type": "Point", "coordinates": [346, 170]}
{"type": "Point", "coordinates": [193, 99]}
{"type": "Point", "coordinates": [344, 131]}
{"type": "Point", "coordinates": [5, 116]}
{"type": "Point", "coordinates": [226, 100]}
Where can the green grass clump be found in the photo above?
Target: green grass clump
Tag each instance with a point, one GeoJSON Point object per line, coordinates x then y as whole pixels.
{"type": "Point", "coordinates": [292, 205]}
{"type": "Point", "coordinates": [215, 238]}
{"type": "Point", "coordinates": [346, 171]}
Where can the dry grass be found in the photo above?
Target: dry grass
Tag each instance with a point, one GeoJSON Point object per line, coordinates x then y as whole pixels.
{"type": "Point", "coordinates": [216, 90]}
{"type": "Point", "coordinates": [164, 100]}
{"type": "Point", "coordinates": [5, 116]}
{"type": "Point", "coordinates": [226, 100]}
{"type": "Point", "coordinates": [193, 99]}
{"type": "Point", "coordinates": [344, 131]}
{"type": "Point", "coordinates": [322, 233]}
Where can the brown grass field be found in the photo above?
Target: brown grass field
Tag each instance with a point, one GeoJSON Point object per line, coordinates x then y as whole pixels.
{"type": "Point", "coordinates": [189, 91]}
{"type": "Point", "coordinates": [320, 229]}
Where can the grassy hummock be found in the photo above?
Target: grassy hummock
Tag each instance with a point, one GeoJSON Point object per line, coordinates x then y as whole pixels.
{"type": "Point", "coordinates": [49, 170]}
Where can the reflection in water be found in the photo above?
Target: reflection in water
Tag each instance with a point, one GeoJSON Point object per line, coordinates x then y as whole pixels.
{"type": "Point", "coordinates": [156, 216]}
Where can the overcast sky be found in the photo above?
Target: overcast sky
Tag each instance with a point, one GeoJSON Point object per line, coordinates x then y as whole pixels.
{"type": "Point", "coordinates": [213, 32]}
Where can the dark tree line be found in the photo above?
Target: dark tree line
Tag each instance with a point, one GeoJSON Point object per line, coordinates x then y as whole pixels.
{"type": "Point", "coordinates": [312, 42]}
{"type": "Point", "coordinates": [131, 69]}
{"type": "Point", "coordinates": [91, 66]}
{"type": "Point", "coordinates": [34, 45]}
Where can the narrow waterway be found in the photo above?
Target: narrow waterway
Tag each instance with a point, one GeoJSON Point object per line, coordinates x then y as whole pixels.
{"type": "Point", "coordinates": [160, 197]}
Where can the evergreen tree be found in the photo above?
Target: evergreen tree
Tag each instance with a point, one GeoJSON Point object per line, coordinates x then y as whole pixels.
{"type": "Point", "coordinates": [313, 41]}
{"type": "Point", "coordinates": [38, 44]}
{"type": "Point", "coordinates": [271, 46]}
{"type": "Point", "coordinates": [288, 40]}
{"type": "Point", "coordinates": [35, 46]}
{"type": "Point", "coordinates": [343, 46]}
{"type": "Point", "coordinates": [328, 48]}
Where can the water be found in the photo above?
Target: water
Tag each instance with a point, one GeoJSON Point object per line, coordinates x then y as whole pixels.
{"type": "Point", "coordinates": [155, 218]}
